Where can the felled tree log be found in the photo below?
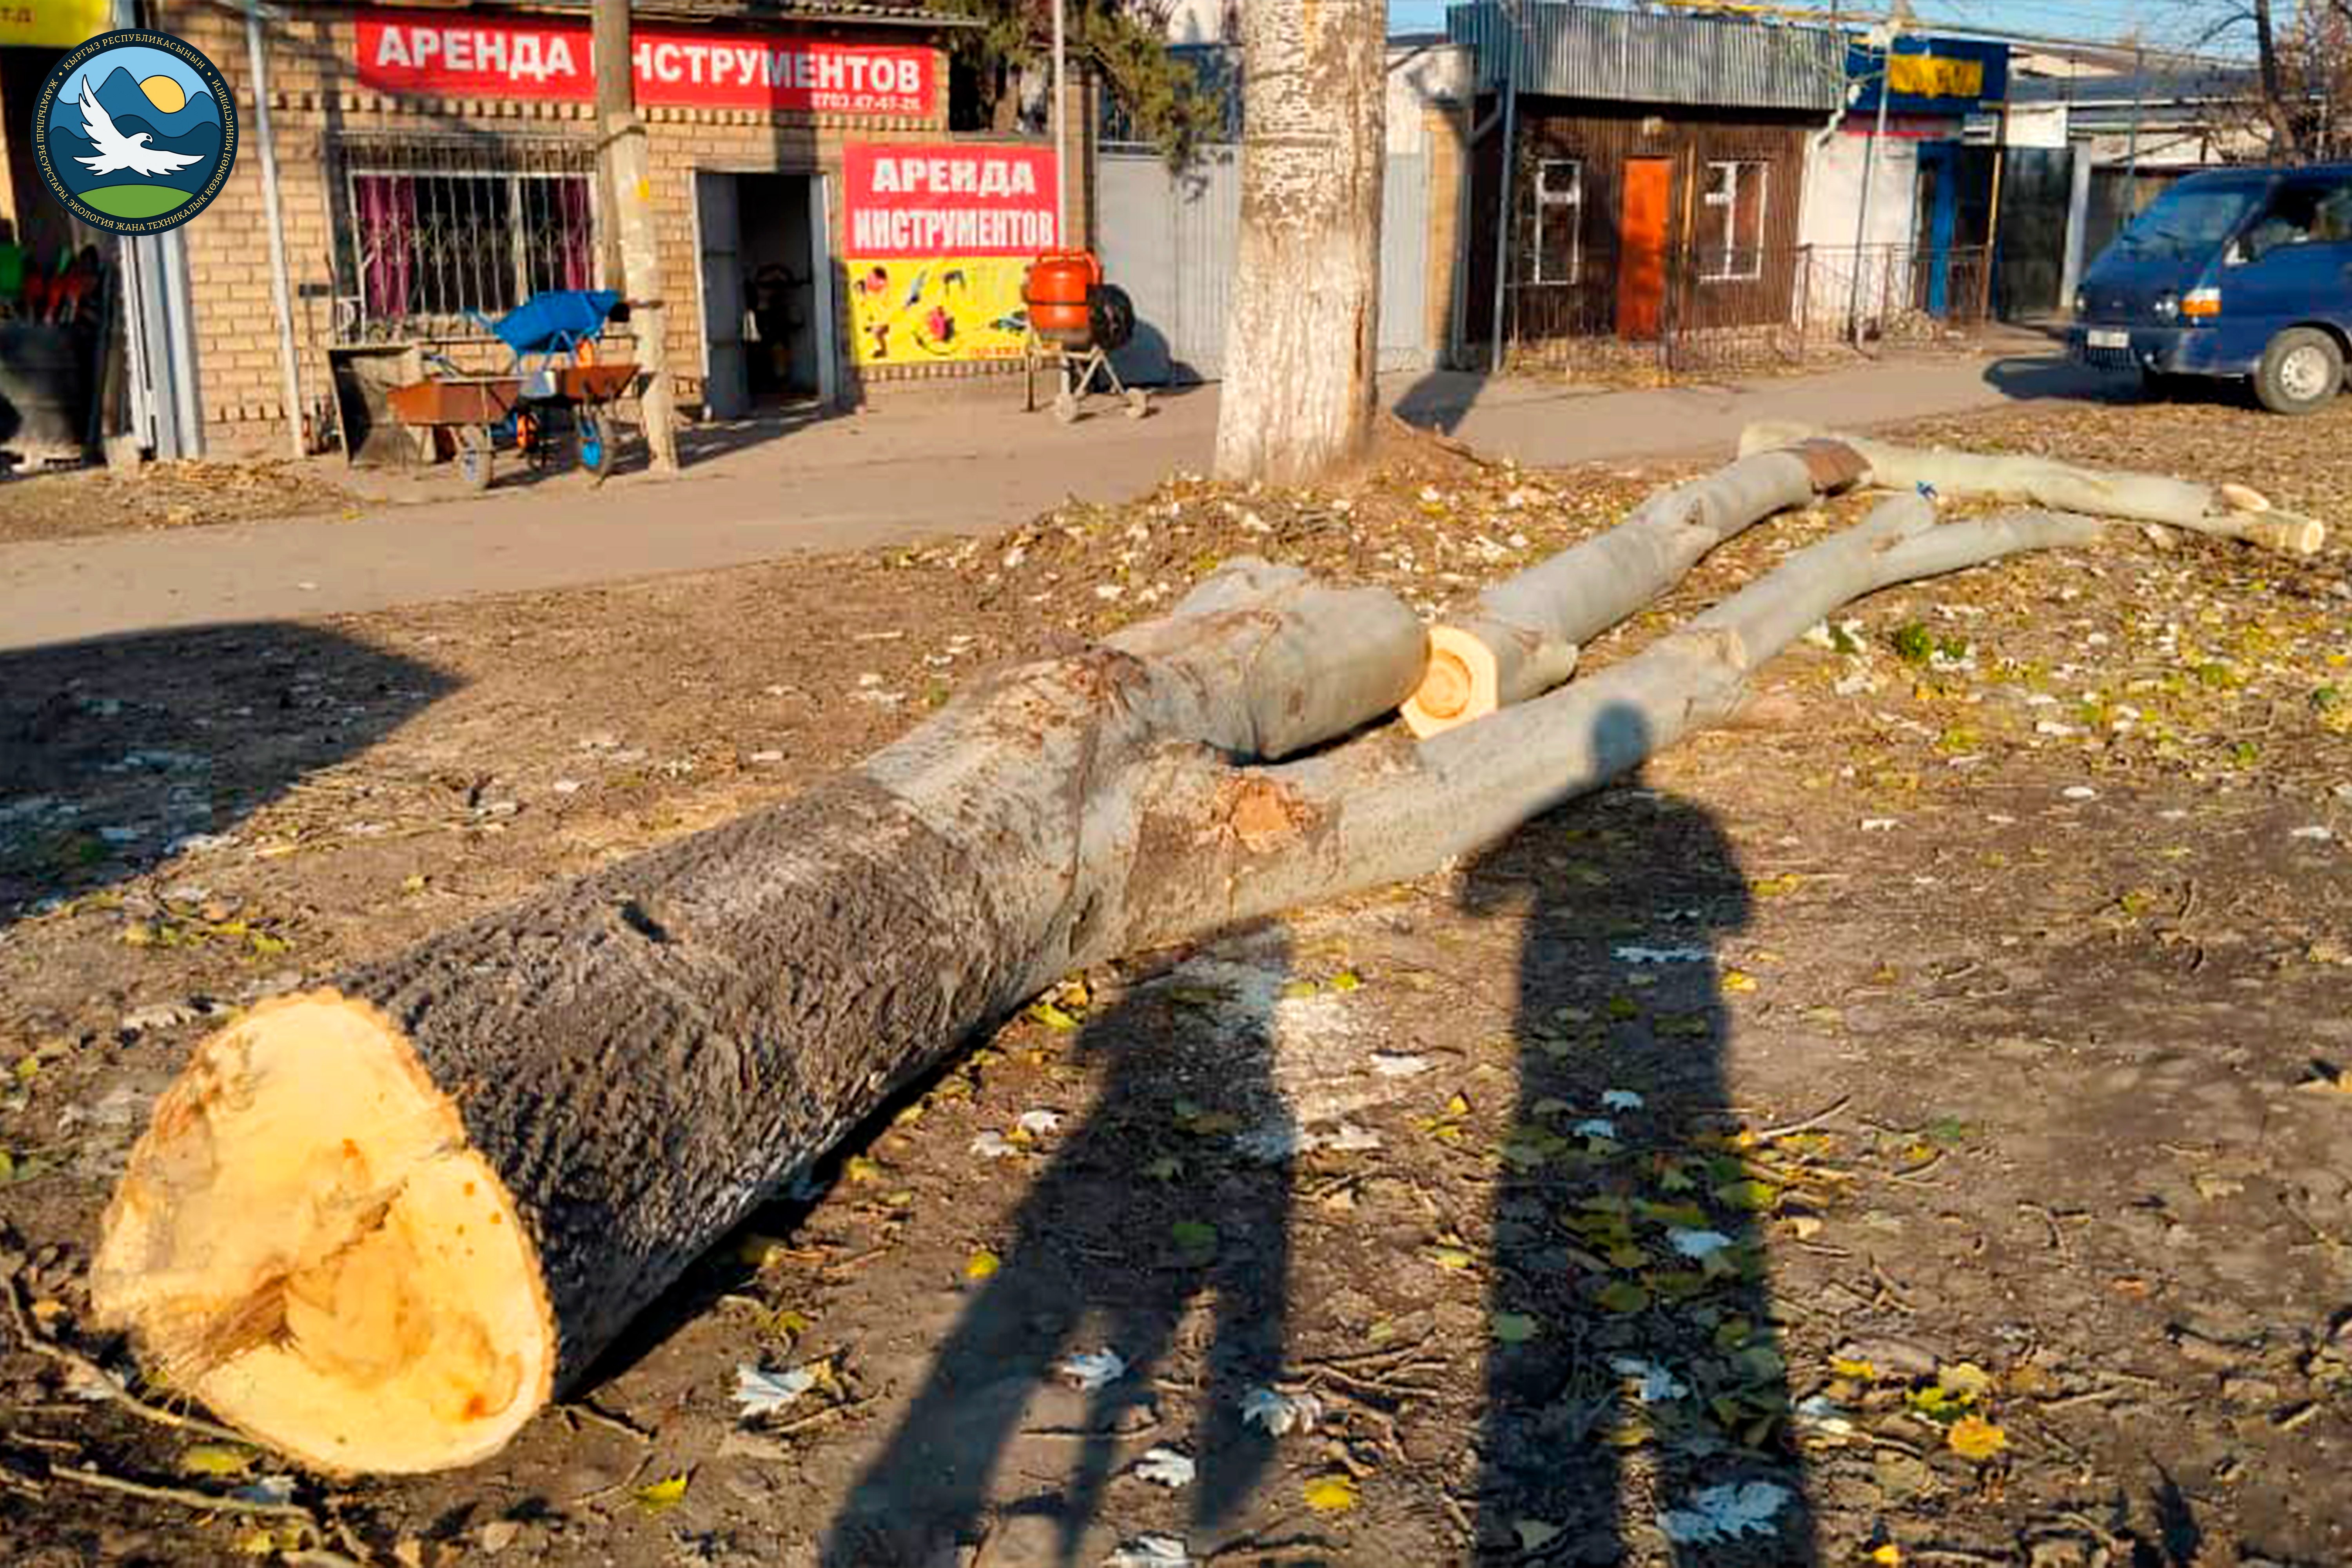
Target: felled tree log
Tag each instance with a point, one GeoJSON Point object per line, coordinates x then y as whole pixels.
{"type": "Point", "coordinates": [1523, 636]}
{"type": "Point", "coordinates": [2226, 512]}
{"type": "Point", "coordinates": [379, 1225]}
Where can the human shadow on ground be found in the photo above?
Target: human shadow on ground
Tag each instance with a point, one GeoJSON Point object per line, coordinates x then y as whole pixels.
{"type": "Point", "coordinates": [1635, 1368]}
{"type": "Point", "coordinates": [118, 752]}
{"type": "Point", "coordinates": [1174, 1188]}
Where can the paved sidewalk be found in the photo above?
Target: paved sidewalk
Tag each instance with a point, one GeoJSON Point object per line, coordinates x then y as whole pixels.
{"type": "Point", "coordinates": [909, 470]}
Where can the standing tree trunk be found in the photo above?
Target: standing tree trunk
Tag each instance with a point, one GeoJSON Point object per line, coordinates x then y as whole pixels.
{"type": "Point", "coordinates": [1302, 337]}
{"type": "Point", "coordinates": [2284, 140]}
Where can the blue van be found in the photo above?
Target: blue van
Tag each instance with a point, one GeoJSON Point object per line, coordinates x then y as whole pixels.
{"type": "Point", "coordinates": [2238, 272]}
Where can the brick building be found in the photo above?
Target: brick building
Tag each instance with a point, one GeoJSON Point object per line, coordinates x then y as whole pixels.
{"type": "Point", "coordinates": [437, 165]}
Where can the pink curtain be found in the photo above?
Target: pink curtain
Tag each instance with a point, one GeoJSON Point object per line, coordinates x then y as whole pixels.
{"type": "Point", "coordinates": [387, 218]}
{"type": "Point", "coordinates": [578, 233]}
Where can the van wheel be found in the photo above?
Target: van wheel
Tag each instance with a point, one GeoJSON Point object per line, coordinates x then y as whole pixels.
{"type": "Point", "coordinates": [2302, 371]}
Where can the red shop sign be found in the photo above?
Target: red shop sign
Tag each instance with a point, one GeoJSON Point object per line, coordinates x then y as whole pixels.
{"type": "Point", "coordinates": [495, 58]}
{"type": "Point", "coordinates": [947, 198]}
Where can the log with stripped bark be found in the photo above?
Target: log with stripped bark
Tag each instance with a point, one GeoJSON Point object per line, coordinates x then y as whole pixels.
{"type": "Point", "coordinates": [380, 1224]}
{"type": "Point", "coordinates": [2225, 511]}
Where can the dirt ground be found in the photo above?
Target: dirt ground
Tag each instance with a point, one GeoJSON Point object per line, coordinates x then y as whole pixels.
{"type": "Point", "coordinates": [1905, 1127]}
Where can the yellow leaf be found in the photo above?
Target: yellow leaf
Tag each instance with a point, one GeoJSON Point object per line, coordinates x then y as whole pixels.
{"type": "Point", "coordinates": [1860, 1371]}
{"type": "Point", "coordinates": [862, 1170]}
{"type": "Point", "coordinates": [982, 1264]}
{"type": "Point", "coordinates": [1346, 980]}
{"type": "Point", "coordinates": [1332, 1494]}
{"type": "Point", "coordinates": [215, 1459]}
{"type": "Point", "coordinates": [1453, 1257]}
{"type": "Point", "coordinates": [1974, 1438]}
{"type": "Point", "coordinates": [663, 1495]}
{"type": "Point", "coordinates": [1457, 1106]}
{"type": "Point", "coordinates": [413, 883]}
{"type": "Point", "coordinates": [1738, 980]}
{"type": "Point", "coordinates": [1889, 1556]}
{"type": "Point", "coordinates": [1965, 1378]}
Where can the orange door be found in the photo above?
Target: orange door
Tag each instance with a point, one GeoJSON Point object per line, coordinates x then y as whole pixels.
{"type": "Point", "coordinates": [1642, 248]}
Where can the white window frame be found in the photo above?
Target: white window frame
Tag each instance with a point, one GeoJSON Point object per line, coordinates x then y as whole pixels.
{"type": "Point", "coordinates": [1728, 263]}
{"type": "Point", "coordinates": [1570, 201]}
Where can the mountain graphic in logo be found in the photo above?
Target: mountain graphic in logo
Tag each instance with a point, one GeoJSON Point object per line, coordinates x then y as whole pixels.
{"type": "Point", "coordinates": [138, 131]}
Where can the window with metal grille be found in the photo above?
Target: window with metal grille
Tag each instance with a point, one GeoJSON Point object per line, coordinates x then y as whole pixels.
{"type": "Point", "coordinates": [1559, 237]}
{"type": "Point", "coordinates": [435, 234]}
{"type": "Point", "coordinates": [1731, 229]}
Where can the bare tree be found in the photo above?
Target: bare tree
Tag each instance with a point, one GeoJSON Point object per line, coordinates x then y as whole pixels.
{"type": "Point", "coordinates": [1302, 337]}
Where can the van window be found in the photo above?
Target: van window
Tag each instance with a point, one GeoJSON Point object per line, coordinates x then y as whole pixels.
{"type": "Point", "coordinates": [2190, 219]}
{"type": "Point", "coordinates": [2304, 212]}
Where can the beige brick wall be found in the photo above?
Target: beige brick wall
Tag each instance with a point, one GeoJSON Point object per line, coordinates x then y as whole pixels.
{"type": "Point", "coordinates": [314, 100]}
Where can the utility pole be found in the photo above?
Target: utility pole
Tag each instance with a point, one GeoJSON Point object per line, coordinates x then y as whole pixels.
{"type": "Point", "coordinates": [626, 167]}
{"type": "Point", "coordinates": [1061, 137]}
{"type": "Point", "coordinates": [1892, 29]}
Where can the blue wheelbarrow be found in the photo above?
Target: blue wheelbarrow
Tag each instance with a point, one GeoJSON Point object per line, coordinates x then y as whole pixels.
{"type": "Point", "coordinates": [556, 394]}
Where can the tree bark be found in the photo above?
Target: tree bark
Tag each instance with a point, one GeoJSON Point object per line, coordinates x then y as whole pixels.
{"type": "Point", "coordinates": [380, 1224]}
{"type": "Point", "coordinates": [2285, 141]}
{"type": "Point", "coordinates": [1302, 336]}
{"type": "Point", "coordinates": [2226, 512]}
{"type": "Point", "coordinates": [1522, 639]}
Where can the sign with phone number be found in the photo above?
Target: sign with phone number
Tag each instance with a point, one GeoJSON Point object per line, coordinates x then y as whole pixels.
{"type": "Point", "coordinates": [495, 58]}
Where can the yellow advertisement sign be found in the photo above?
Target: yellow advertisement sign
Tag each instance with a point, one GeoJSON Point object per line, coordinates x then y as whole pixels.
{"type": "Point", "coordinates": [927, 309]}
{"type": "Point", "coordinates": [53, 24]}
{"type": "Point", "coordinates": [1933, 76]}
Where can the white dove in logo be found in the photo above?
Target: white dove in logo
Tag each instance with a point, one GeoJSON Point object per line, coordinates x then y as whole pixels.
{"type": "Point", "coordinates": [116, 151]}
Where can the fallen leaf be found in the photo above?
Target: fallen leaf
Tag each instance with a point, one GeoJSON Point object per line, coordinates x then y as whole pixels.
{"type": "Point", "coordinates": [1534, 1534]}
{"type": "Point", "coordinates": [1452, 1258]}
{"type": "Point", "coordinates": [1165, 1467]}
{"type": "Point", "coordinates": [1964, 1378]}
{"type": "Point", "coordinates": [1738, 980]}
{"type": "Point", "coordinates": [1093, 1371]}
{"type": "Point", "coordinates": [1278, 1413]}
{"type": "Point", "coordinates": [1038, 1123]}
{"type": "Point", "coordinates": [760, 1393]}
{"type": "Point", "coordinates": [990, 1145]}
{"type": "Point", "coordinates": [216, 1460]}
{"type": "Point", "coordinates": [1331, 1494]}
{"type": "Point", "coordinates": [1725, 1513]}
{"type": "Point", "coordinates": [1974, 1438]}
{"type": "Point", "coordinates": [1514, 1328]}
{"type": "Point", "coordinates": [663, 1495]}
{"type": "Point", "coordinates": [982, 1264]}
{"type": "Point", "coordinates": [1623, 1297]}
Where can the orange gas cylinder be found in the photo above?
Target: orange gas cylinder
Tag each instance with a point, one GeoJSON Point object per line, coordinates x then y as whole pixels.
{"type": "Point", "coordinates": [1055, 290]}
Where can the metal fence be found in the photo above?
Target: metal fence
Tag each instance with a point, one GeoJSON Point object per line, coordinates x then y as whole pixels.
{"type": "Point", "coordinates": [1708, 309]}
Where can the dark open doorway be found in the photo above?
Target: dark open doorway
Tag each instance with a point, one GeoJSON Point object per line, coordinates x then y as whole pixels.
{"type": "Point", "coordinates": [767, 331]}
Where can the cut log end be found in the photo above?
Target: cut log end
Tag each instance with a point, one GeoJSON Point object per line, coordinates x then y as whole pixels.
{"type": "Point", "coordinates": [1462, 683]}
{"type": "Point", "coordinates": [305, 1241]}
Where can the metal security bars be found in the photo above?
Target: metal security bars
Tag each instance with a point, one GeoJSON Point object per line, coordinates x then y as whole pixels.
{"type": "Point", "coordinates": [431, 233]}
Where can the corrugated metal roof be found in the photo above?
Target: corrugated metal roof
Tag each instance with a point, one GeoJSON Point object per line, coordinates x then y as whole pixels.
{"type": "Point", "coordinates": [1629, 56]}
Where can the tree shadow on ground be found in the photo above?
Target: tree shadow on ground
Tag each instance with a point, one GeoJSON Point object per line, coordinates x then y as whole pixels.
{"type": "Point", "coordinates": [118, 752]}
{"type": "Point", "coordinates": [1635, 1368]}
{"type": "Point", "coordinates": [1140, 1215]}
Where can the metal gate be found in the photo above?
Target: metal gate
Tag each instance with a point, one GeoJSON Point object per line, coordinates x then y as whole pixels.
{"type": "Point", "coordinates": [1169, 238]}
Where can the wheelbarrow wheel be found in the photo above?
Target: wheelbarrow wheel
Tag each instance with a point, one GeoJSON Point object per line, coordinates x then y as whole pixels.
{"type": "Point", "coordinates": [475, 455]}
{"type": "Point", "coordinates": [1066, 405]}
{"type": "Point", "coordinates": [1138, 403]}
{"type": "Point", "coordinates": [591, 433]}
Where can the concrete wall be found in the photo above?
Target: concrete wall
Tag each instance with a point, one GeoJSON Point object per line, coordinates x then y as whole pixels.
{"type": "Point", "coordinates": [314, 100]}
